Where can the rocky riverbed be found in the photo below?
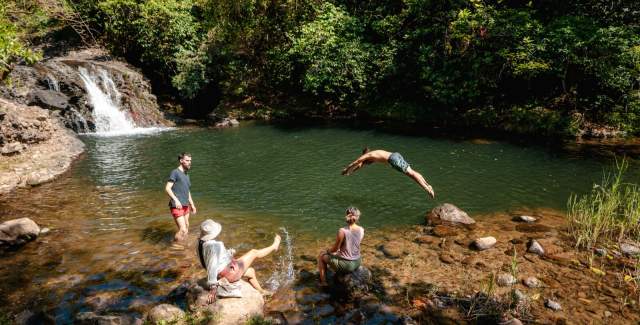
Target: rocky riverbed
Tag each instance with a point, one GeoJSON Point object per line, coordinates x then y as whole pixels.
{"type": "Point", "coordinates": [426, 274]}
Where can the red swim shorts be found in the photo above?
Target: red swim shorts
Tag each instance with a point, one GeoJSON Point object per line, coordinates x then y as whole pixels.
{"type": "Point", "coordinates": [176, 213]}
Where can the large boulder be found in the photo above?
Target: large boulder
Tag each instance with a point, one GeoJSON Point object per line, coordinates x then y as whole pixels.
{"type": "Point", "coordinates": [353, 285]}
{"type": "Point", "coordinates": [227, 311]}
{"type": "Point", "coordinates": [18, 231]}
{"type": "Point", "coordinates": [165, 313]}
{"type": "Point", "coordinates": [448, 214]}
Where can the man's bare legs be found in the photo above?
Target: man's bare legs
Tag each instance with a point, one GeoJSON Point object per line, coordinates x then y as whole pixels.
{"type": "Point", "coordinates": [248, 258]}
{"type": "Point", "coordinates": [421, 181]}
{"type": "Point", "coordinates": [182, 228]}
{"type": "Point", "coordinates": [323, 259]}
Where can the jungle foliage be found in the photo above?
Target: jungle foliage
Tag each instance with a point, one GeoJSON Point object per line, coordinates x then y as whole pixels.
{"type": "Point", "coordinates": [539, 67]}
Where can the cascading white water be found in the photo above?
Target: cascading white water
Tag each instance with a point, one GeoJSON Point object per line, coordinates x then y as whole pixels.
{"type": "Point", "coordinates": [52, 82]}
{"type": "Point", "coordinates": [108, 117]}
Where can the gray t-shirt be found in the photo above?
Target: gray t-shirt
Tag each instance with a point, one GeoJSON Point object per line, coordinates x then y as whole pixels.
{"type": "Point", "coordinates": [180, 188]}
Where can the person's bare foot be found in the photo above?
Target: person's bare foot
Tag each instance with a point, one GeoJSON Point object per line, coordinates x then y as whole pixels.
{"type": "Point", "coordinates": [429, 190]}
{"type": "Point", "coordinates": [276, 242]}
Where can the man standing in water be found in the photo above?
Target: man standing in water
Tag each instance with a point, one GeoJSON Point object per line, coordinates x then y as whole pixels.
{"type": "Point", "coordinates": [394, 159]}
{"type": "Point", "coordinates": [181, 203]}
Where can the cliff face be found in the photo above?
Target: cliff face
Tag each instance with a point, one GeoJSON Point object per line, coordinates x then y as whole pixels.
{"type": "Point", "coordinates": [35, 146]}
{"type": "Point", "coordinates": [55, 84]}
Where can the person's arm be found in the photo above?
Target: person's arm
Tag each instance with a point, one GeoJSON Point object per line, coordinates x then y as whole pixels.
{"type": "Point", "coordinates": [338, 243]}
{"type": "Point", "coordinates": [191, 204]}
{"type": "Point", "coordinates": [211, 260]}
{"type": "Point", "coordinates": [356, 164]}
{"type": "Point", "coordinates": [167, 188]}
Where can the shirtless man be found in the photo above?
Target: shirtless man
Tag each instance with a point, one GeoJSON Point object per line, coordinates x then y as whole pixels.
{"type": "Point", "coordinates": [181, 203]}
{"type": "Point", "coordinates": [394, 159]}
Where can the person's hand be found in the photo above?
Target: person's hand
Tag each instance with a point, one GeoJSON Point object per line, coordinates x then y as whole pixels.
{"type": "Point", "coordinates": [193, 209]}
{"type": "Point", "coordinates": [178, 204]}
{"type": "Point", "coordinates": [212, 295]}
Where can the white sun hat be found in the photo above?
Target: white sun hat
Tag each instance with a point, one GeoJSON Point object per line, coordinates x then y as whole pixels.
{"type": "Point", "coordinates": [209, 230]}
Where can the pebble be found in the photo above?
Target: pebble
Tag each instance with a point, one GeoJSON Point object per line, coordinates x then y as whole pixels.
{"type": "Point", "coordinates": [607, 313]}
{"type": "Point", "coordinates": [484, 243]}
{"type": "Point", "coordinates": [601, 252]}
{"type": "Point", "coordinates": [535, 248]}
{"type": "Point", "coordinates": [551, 304]}
{"type": "Point", "coordinates": [528, 219]}
{"type": "Point", "coordinates": [531, 282]}
{"type": "Point", "coordinates": [519, 296]}
{"type": "Point", "coordinates": [505, 280]}
{"type": "Point", "coordinates": [44, 231]}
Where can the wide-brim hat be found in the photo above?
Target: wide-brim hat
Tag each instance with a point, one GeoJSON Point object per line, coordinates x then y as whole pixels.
{"type": "Point", "coordinates": [209, 229]}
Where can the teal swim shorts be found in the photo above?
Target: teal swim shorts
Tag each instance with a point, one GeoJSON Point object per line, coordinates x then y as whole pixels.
{"type": "Point", "coordinates": [396, 161]}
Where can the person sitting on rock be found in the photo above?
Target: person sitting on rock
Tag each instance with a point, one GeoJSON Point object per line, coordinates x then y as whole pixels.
{"type": "Point", "coordinates": [394, 159]}
{"type": "Point", "coordinates": [344, 255]}
{"type": "Point", "coordinates": [220, 263]}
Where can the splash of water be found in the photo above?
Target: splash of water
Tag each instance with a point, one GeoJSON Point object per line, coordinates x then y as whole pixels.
{"type": "Point", "coordinates": [285, 272]}
{"type": "Point", "coordinates": [52, 82]}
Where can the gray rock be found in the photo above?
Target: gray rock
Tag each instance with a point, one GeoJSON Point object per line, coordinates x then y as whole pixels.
{"type": "Point", "coordinates": [629, 249]}
{"type": "Point", "coordinates": [601, 251]}
{"type": "Point", "coordinates": [165, 312]}
{"type": "Point", "coordinates": [505, 280]}
{"type": "Point", "coordinates": [448, 213]}
{"type": "Point", "coordinates": [484, 243]}
{"type": "Point", "coordinates": [535, 248]}
{"type": "Point", "coordinates": [12, 148]}
{"type": "Point", "coordinates": [552, 304]}
{"type": "Point", "coordinates": [18, 231]}
{"type": "Point", "coordinates": [48, 99]}
{"type": "Point", "coordinates": [531, 282]}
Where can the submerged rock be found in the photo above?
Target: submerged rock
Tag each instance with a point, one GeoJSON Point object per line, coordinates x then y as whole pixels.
{"type": "Point", "coordinates": [505, 280]}
{"type": "Point", "coordinates": [484, 243]}
{"type": "Point", "coordinates": [18, 232]}
{"type": "Point", "coordinates": [535, 248]}
{"type": "Point", "coordinates": [448, 213]}
{"type": "Point", "coordinates": [91, 318]}
{"type": "Point", "coordinates": [527, 219]}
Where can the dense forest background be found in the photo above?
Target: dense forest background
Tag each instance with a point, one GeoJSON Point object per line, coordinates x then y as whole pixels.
{"type": "Point", "coordinates": [539, 67]}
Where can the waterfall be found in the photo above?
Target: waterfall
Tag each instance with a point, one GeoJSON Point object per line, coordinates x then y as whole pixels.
{"type": "Point", "coordinates": [52, 82]}
{"type": "Point", "coordinates": [105, 99]}
{"type": "Point", "coordinates": [285, 272]}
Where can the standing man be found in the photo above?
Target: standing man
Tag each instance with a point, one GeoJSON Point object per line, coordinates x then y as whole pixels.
{"type": "Point", "coordinates": [181, 203]}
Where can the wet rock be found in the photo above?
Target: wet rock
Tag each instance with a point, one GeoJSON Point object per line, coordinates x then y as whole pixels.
{"type": "Point", "coordinates": [531, 282]}
{"type": "Point", "coordinates": [24, 317]}
{"type": "Point", "coordinates": [165, 313]}
{"type": "Point", "coordinates": [444, 231]}
{"type": "Point", "coordinates": [527, 219]}
{"type": "Point", "coordinates": [447, 258]}
{"type": "Point", "coordinates": [552, 304]}
{"type": "Point", "coordinates": [519, 296]}
{"type": "Point", "coordinates": [48, 99]}
{"type": "Point", "coordinates": [18, 231]}
{"type": "Point", "coordinates": [505, 280]}
{"type": "Point", "coordinates": [484, 243]}
{"type": "Point", "coordinates": [392, 249]}
{"type": "Point", "coordinates": [601, 251]}
{"type": "Point", "coordinates": [227, 123]}
{"type": "Point", "coordinates": [354, 285]}
{"type": "Point", "coordinates": [448, 213]}
{"type": "Point", "coordinates": [91, 318]}
{"type": "Point", "coordinates": [535, 248]}
{"type": "Point", "coordinates": [430, 240]}
{"type": "Point", "coordinates": [229, 310]}
{"type": "Point", "coordinates": [323, 311]}
{"type": "Point", "coordinates": [630, 249]}
{"type": "Point", "coordinates": [513, 321]}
